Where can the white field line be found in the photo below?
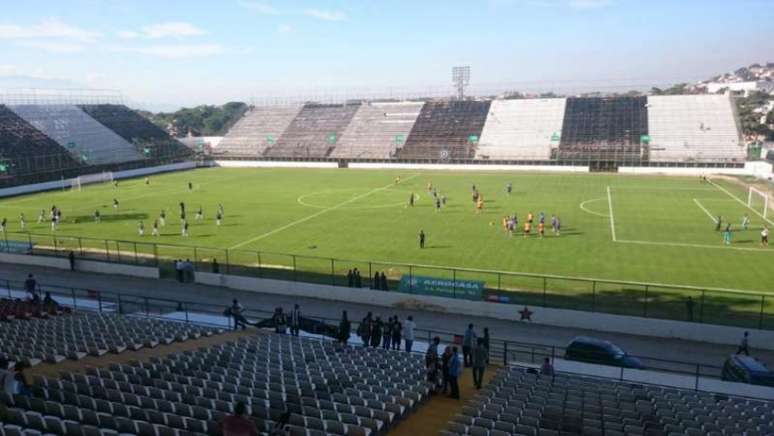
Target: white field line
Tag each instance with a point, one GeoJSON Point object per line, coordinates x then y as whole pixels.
{"type": "Point", "coordinates": [658, 188]}
{"type": "Point", "coordinates": [612, 217]}
{"type": "Point", "coordinates": [583, 207]}
{"type": "Point", "coordinates": [688, 245]}
{"type": "Point", "coordinates": [741, 202]}
{"type": "Point", "coordinates": [714, 220]}
{"type": "Point", "coordinates": [314, 215]}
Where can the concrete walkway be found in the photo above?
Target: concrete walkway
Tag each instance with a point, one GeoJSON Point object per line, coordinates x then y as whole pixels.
{"type": "Point", "coordinates": [216, 298]}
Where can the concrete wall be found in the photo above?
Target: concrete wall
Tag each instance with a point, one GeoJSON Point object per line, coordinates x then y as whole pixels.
{"type": "Point", "coordinates": [81, 265]}
{"type": "Point", "coordinates": [757, 169]}
{"type": "Point", "coordinates": [66, 183]}
{"type": "Point", "coordinates": [461, 167]}
{"type": "Point", "coordinates": [116, 268]}
{"type": "Point", "coordinates": [273, 164]}
{"type": "Point", "coordinates": [24, 259]}
{"type": "Point", "coordinates": [554, 317]}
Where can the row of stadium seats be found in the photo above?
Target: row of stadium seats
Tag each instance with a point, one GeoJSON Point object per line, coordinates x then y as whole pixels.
{"type": "Point", "coordinates": [659, 128]}
{"type": "Point", "coordinates": [313, 132]}
{"type": "Point", "coordinates": [80, 334]}
{"type": "Point", "coordinates": [323, 389]}
{"type": "Point", "coordinates": [520, 401]}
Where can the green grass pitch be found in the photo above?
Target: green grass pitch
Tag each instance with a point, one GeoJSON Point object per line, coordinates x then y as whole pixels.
{"type": "Point", "coordinates": [618, 227]}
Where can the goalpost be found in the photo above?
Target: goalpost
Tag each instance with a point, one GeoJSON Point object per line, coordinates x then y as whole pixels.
{"type": "Point", "coordinates": [76, 184]}
{"type": "Point", "coordinates": [758, 201]}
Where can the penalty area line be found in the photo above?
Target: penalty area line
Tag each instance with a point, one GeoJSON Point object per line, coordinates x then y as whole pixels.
{"type": "Point", "coordinates": [714, 220]}
{"type": "Point", "coordinates": [689, 245]}
{"type": "Point", "coordinates": [612, 217]}
{"type": "Point", "coordinates": [740, 201]}
{"type": "Point", "coordinates": [314, 215]}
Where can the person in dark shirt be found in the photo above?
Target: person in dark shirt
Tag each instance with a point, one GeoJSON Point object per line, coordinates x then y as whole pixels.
{"type": "Point", "coordinates": [376, 333]}
{"type": "Point", "coordinates": [345, 328]}
{"type": "Point", "coordinates": [421, 239]}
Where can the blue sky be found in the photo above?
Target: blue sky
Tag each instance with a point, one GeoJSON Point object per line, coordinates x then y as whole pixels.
{"type": "Point", "coordinates": [174, 52]}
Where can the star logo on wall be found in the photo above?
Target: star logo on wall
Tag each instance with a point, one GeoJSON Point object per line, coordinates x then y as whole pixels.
{"type": "Point", "coordinates": [526, 314]}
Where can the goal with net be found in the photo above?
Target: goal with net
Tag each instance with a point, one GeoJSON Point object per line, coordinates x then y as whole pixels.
{"type": "Point", "coordinates": [76, 184]}
{"type": "Point", "coordinates": [758, 201]}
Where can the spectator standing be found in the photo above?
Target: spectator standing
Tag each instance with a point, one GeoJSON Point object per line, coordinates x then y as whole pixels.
{"type": "Point", "coordinates": [358, 279]}
{"type": "Point", "coordinates": [480, 356]}
{"type": "Point", "coordinates": [215, 266]}
{"type": "Point", "coordinates": [376, 332]}
{"type": "Point", "coordinates": [344, 328]}
{"type": "Point", "coordinates": [280, 321]}
{"type": "Point", "coordinates": [547, 368]}
{"type": "Point", "coordinates": [364, 329]}
{"type": "Point", "coordinates": [689, 308]}
{"type": "Point", "coordinates": [179, 270]}
{"type": "Point", "coordinates": [383, 282]}
{"type": "Point", "coordinates": [433, 347]}
{"type": "Point", "coordinates": [387, 334]}
{"type": "Point", "coordinates": [445, 357]}
{"type": "Point", "coordinates": [31, 285]}
{"type": "Point", "coordinates": [397, 332]}
{"type": "Point", "coordinates": [238, 424]}
{"type": "Point", "coordinates": [408, 333]}
{"type": "Point", "coordinates": [432, 367]}
{"type": "Point", "coordinates": [468, 342]}
{"type": "Point", "coordinates": [71, 258]}
{"type": "Point", "coordinates": [295, 320]}
{"type": "Point", "coordinates": [350, 279]}
{"type": "Point", "coordinates": [744, 345]}
{"type": "Point", "coordinates": [455, 371]}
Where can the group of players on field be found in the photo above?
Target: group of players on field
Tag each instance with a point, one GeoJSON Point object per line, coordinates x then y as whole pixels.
{"type": "Point", "coordinates": [55, 216]}
{"type": "Point", "coordinates": [510, 223]}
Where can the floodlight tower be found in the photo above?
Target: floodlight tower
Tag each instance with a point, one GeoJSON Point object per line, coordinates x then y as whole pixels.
{"type": "Point", "coordinates": [461, 79]}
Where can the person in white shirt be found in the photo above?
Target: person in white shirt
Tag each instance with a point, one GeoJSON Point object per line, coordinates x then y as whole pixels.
{"type": "Point", "coordinates": [408, 333]}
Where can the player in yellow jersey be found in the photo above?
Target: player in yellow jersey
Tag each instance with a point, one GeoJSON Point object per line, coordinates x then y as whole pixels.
{"type": "Point", "coordinates": [527, 228]}
{"type": "Point", "coordinates": [397, 180]}
{"type": "Point", "coordinates": [479, 205]}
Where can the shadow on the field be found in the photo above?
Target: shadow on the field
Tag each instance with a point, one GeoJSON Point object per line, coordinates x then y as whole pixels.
{"type": "Point", "coordinates": [111, 217]}
{"type": "Point", "coordinates": [437, 246]}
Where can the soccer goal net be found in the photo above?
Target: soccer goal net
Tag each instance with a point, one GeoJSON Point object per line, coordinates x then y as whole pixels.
{"type": "Point", "coordinates": [76, 184]}
{"type": "Point", "coordinates": [758, 201]}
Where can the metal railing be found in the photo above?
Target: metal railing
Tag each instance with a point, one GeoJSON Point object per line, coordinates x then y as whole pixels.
{"type": "Point", "coordinates": [501, 351]}
{"type": "Point", "coordinates": [650, 300]}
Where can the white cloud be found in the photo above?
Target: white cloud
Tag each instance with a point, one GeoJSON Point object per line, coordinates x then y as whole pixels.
{"type": "Point", "coordinates": [589, 4]}
{"type": "Point", "coordinates": [268, 9]}
{"type": "Point", "coordinates": [174, 51]}
{"type": "Point", "coordinates": [172, 29]}
{"type": "Point", "coordinates": [285, 28]}
{"type": "Point", "coordinates": [325, 15]}
{"type": "Point", "coordinates": [128, 34]}
{"type": "Point", "coordinates": [259, 7]}
{"type": "Point", "coordinates": [48, 28]}
{"type": "Point", "coordinates": [14, 71]}
{"type": "Point", "coordinates": [55, 47]}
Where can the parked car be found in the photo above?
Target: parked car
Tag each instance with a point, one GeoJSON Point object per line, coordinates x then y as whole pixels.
{"type": "Point", "coordinates": [746, 369]}
{"type": "Point", "coordinates": [592, 350]}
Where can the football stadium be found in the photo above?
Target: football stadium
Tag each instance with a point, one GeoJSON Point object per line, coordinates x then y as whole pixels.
{"type": "Point", "coordinates": [516, 259]}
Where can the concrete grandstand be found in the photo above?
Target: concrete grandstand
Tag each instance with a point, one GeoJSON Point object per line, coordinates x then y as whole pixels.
{"type": "Point", "coordinates": [622, 130]}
